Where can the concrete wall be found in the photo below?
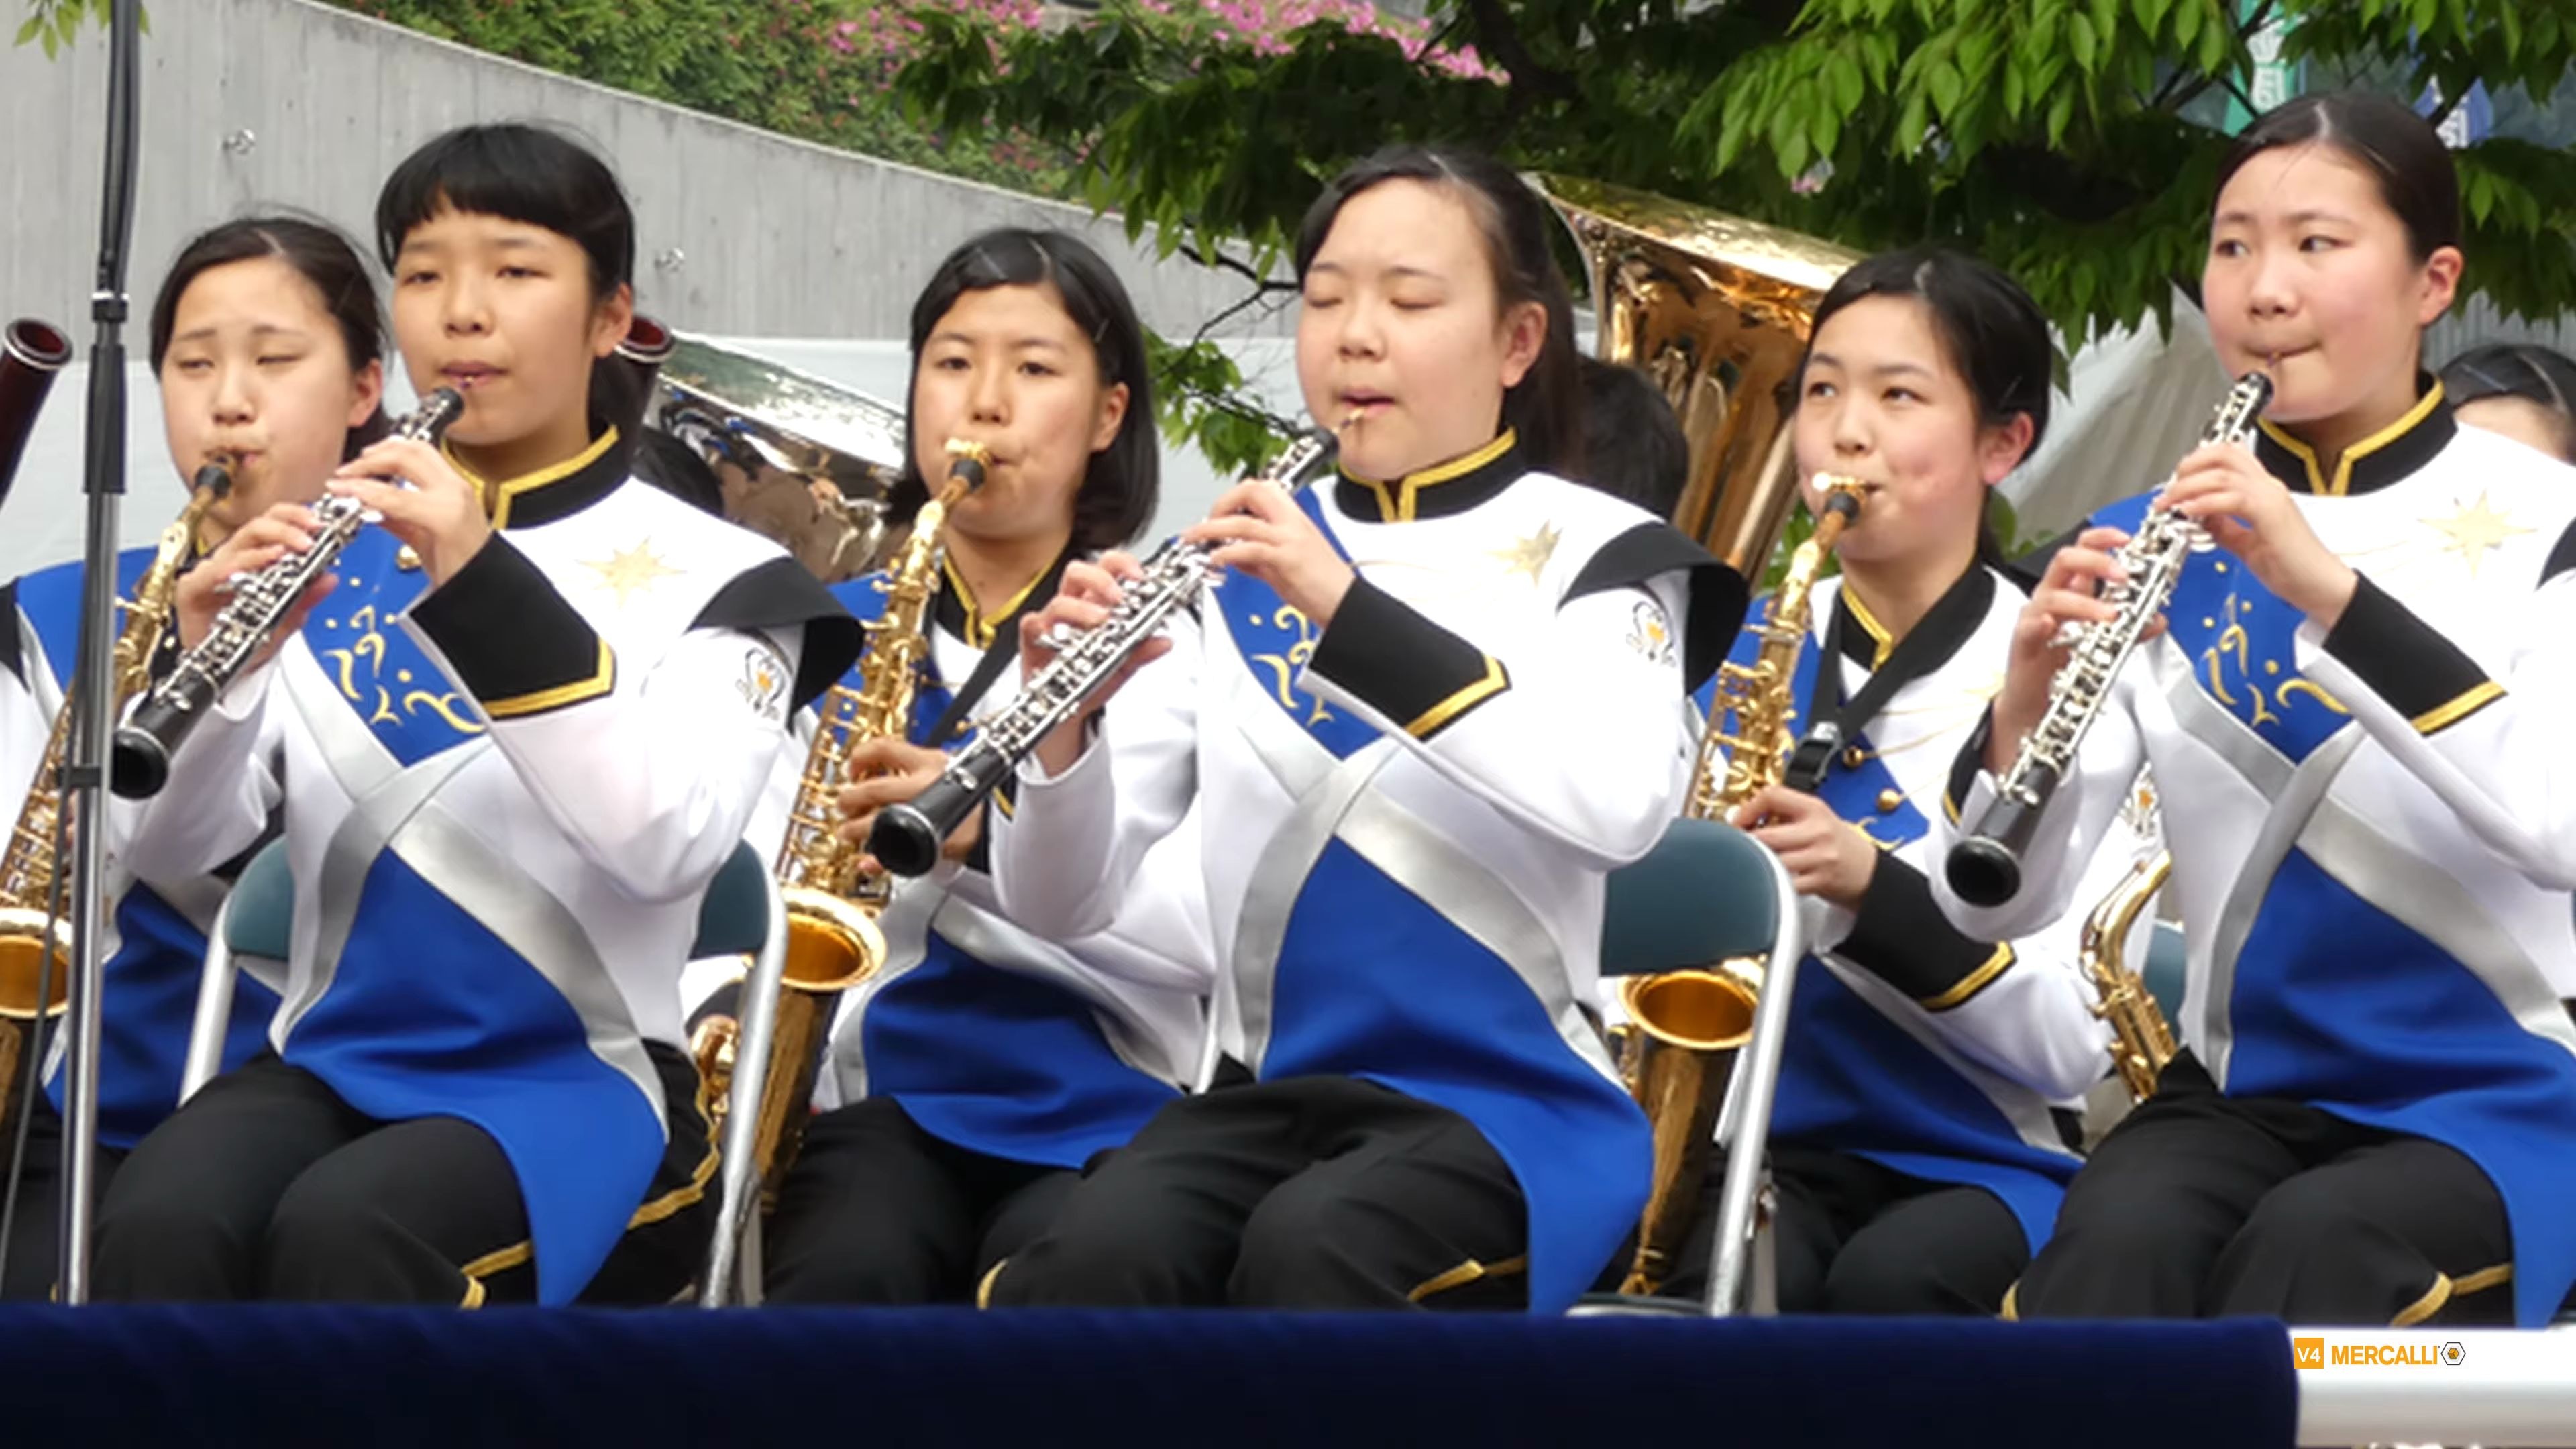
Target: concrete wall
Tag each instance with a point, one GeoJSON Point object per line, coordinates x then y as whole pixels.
{"type": "Point", "coordinates": [250, 103]}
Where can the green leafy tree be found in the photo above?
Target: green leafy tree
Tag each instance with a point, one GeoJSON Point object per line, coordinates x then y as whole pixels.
{"type": "Point", "coordinates": [2074, 142]}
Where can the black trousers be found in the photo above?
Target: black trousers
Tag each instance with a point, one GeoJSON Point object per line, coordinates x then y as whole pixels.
{"type": "Point", "coordinates": [1852, 1236]}
{"type": "Point", "coordinates": [875, 1210]}
{"type": "Point", "coordinates": [35, 1229]}
{"type": "Point", "coordinates": [1313, 1192]}
{"type": "Point", "coordinates": [267, 1186]}
{"type": "Point", "coordinates": [2199, 1204]}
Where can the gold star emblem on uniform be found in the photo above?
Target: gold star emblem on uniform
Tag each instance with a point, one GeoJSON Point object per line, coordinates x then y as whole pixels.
{"type": "Point", "coordinates": [632, 571]}
{"type": "Point", "coordinates": [1529, 556]}
{"type": "Point", "coordinates": [2475, 531]}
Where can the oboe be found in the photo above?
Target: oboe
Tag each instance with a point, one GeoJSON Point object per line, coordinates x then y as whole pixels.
{"type": "Point", "coordinates": [1985, 868]}
{"type": "Point", "coordinates": [260, 602]}
{"type": "Point", "coordinates": [906, 837]}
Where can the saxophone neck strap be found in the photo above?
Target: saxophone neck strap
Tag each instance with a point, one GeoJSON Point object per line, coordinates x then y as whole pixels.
{"type": "Point", "coordinates": [1005, 647]}
{"type": "Point", "coordinates": [1925, 648]}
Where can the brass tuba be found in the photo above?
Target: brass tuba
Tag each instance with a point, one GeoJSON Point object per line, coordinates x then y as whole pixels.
{"type": "Point", "coordinates": [1717, 310]}
{"type": "Point", "coordinates": [833, 943]}
{"type": "Point", "coordinates": [804, 462]}
{"type": "Point", "coordinates": [1689, 1024]}
{"type": "Point", "coordinates": [35, 927]}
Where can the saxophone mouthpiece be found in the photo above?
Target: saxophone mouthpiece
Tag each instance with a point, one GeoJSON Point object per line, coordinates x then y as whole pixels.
{"type": "Point", "coordinates": [968, 460]}
{"type": "Point", "coordinates": [215, 479]}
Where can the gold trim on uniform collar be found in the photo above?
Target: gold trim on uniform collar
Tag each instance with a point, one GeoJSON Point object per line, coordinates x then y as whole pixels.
{"type": "Point", "coordinates": [497, 497]}
{"type": "Point", "coordinates": [1398, 505]}
{"type": "Point", "coordinates": [979, 627]}
{"type": "Point", "coordinates": [2342, 483]}
{"type": "Point", "coordinates": [1883, 641]}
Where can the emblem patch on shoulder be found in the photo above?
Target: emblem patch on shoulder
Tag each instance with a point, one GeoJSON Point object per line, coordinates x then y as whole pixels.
{"type": "Point", "coordinates": [764, 682]}
{"type": "Point", "coordinates": [1649, 633]}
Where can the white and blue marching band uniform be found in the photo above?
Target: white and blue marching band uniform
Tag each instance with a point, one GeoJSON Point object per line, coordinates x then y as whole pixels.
{"type": "Point", "coordinates": [1408, 816]}
{"type": "Point", "coordinates": [992, 1038]}
{"type": "Point", "coordinates": [504, 801]}
{"type": "Point", "coordinates": [2373, 827]}
{"type": "Point", "coordinates": [155, 939]}
{"type": "Point", "coordinates": [1947, 1057]}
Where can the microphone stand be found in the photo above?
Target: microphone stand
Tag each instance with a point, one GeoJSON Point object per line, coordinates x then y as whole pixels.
{"type": "Point", "coordinates": [94, 687]}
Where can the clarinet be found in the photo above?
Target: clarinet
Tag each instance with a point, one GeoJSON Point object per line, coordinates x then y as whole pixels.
{"type": "Point", "coordinates": [261, 600]}
{"type": "Point", "coordinates": [906, 837]}
{"type": "Point", "coordinates": [1985, 868]}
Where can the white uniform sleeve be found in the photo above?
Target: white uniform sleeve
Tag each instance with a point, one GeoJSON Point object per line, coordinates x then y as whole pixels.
{"type": "Point", "coordinates": [1065, 848]}
{"type": "Point", "coordinates": [223, 784]}
{"type": "Point", "coordinates": [2071, 829]}
{"type": "Point", "coordinates": [652, 778]}
{"type": "Point", "coordinates": [1570, 729]}
{"type": "Point", "coordinates": [2495, 750]}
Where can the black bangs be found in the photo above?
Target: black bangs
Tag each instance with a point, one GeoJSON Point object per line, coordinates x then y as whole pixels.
{"type": "Point", "coordinates": [521, 173]}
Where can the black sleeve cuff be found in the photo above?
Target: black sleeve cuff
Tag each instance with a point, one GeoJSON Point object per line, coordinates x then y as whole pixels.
{"type": "Point", "coordinates": [1902, 938]}
{"type": "Point", "coordinates": [2406, 662]}
{"type": "Point", "coordinates": [1966, 765]}
{"type": "Point", "coordinates": [1402, 665]}
{"type": "Point", "coordinates": [514, 643]}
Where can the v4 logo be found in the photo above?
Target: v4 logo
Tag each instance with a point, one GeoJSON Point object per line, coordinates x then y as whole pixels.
{"type": "Point", "coordinates": [2308, 1353]}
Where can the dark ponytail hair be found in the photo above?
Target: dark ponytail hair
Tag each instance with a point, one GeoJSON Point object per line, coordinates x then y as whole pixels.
{"type": "Point", "coordinates": [1994, 335]}
{"type": "Point", "coordinates": [2524, 370]}
{"type": "Point", "coordinates": [1124, 480]}
{"type": "Point", "coordinates": [1546, 406]}
{"type": "Point", "coordinates": [527, 174]}
{"type": "Point", "coordinates": [321, 256]}
{"type": "Point", "coordinates": [2382, 135]}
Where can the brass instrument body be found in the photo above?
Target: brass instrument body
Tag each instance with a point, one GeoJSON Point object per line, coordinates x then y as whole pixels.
{"type": "Point", "coordinates": [1717, 309]}
{"type": "Point", "coordinates": [1689, 1025]}
{"type": "Point", "coordinates": [36, 938]}
{"type": "Point", "coordinates": [833, 940]}
{"type": "Point", "coordinates": [817, 461]}
{"type": "Point", "coordinates": [2142, 1041]}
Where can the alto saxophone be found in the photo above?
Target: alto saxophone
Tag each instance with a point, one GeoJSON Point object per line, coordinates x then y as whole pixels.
{"type": "Point", "coordinates": [1689, 1024]}
{"type": "Point", "coordinates": [35, 935]}
{"type": "Point", "coordinates": [833, 942]}
{"type": "Point", "coordinates": [2142, 1040]}
{"type": "Point", "coordinates": [1984, 868]}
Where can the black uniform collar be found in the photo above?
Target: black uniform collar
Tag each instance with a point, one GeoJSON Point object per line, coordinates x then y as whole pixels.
{"type": "Point", "coordinates": [2386, 456]}
{"type": "Point", "coordinates": [1435, 492]}
{"type": "Point", "coordinates": [956, 611]}
{"type": "Point", "coordinates": [1950, 621]}
{"type": "Point", "coordinates": [555, 492]}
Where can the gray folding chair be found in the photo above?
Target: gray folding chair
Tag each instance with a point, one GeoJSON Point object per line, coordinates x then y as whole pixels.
{"type": "Point", "coordinates": [743, 915]}
{"type": "Point", "coordinates": [1707, 893]}
{"type": "Point", "coordinates": [255, 922]}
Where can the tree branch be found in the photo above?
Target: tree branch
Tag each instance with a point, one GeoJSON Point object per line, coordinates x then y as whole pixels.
{"type": "Point", "coordinates": [1232, 310]}
{"type": "Point", "coordinates": [1501, 37]}
{"type": "Point", "coordinates": [1219, 261]}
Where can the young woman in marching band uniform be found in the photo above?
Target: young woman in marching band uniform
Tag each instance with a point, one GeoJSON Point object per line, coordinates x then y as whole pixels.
{"type": "Point", "coordinates": [984, 1065]}
{"type": "Point", "coordinates": [1918, 1139]}
{"type": "Point", "coordinates": [268, 342]}
{"type": "Point", "coordinates": [519, 737]}
{"type": "Point", "coordinates": [2356, 720]}
{"type": "Point", "coordinates": [1430, 706]}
